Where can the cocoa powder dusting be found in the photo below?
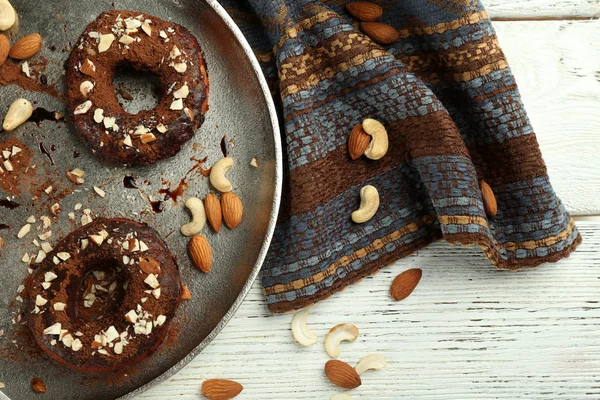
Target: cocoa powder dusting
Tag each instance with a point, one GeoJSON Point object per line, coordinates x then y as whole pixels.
{"type": "Point", "coordinates": [12, 182]}
{"type": "Point", "coordinates": [11, 74]}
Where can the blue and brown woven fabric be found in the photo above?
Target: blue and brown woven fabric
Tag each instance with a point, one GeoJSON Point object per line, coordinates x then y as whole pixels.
{"type": "Point", "coordinates": [453, 113]}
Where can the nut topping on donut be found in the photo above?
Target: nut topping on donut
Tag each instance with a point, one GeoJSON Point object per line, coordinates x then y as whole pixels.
{"type": "Point", "coordinates": [88, 68]}
{"type": "Point", "coordinates": [105, 42]}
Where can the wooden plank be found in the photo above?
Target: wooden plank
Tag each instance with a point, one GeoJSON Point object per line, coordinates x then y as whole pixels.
{"type": "Point", "coordinates": [541, 9]}
{"type": "Point", "coordinates": [467, 332]}
{"type": "Point", "coordinates": [556, 64]}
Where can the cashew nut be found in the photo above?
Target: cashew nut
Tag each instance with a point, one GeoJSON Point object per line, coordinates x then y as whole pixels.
{"type": "Point", "coordinates": [340, 396]}
{"type": "Point", "coordinates": [379, 139]}
{"type": "Point", "coordinates": [338, 334]}
{"type": "Point", "coordinates": [369, 203]}
{"type": "Point", "coordinates": [371, 361]}
{"type": "Point", "coordinates": [7, 15]}
{"type": "Point", "coordinates": [301, 332]}
{"type": "Point", "coordinates": [196, 207]}
{"type": "Point", "coordinates": [217, 174]}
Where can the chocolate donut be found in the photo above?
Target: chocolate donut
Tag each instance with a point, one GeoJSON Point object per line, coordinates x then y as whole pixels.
{"type": "Point", "coordinates": [144, 43]}
{"type": "Point", "coordinates": [103, 298]}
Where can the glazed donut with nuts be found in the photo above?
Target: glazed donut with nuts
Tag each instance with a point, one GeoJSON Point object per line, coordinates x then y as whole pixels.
{"type": "Point", "coordinates": [142, 42]}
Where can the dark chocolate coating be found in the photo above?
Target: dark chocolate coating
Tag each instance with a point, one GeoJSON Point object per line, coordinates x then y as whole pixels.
{"type": "Point", "coordinates": [67, 285]}
{"type": "Point", "coordinates": [151, 53]}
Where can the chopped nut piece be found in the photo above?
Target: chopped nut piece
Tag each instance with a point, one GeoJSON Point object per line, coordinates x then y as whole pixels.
{"type": "Point", "coordinates": [88, 68]}
{"type": "Point", "coordinates": [161, 128]}
{"type": "Point", "coordinates": [25, 69]}
{"type": "Point", "coordinates": [174, 53]}
{"type": "Point", "coordinates": [46, 247]}
{"type": "Point", "coordinates": [99, 191]}
{"type": "Point", "coordinates": [50, 276]}
{"type": "Point", "coordinates": [177, 105]}
{"type": "Point", "coordinates": [24, 231]}
{"type": "Point", "coordinates": [86, 87]}
{"type": "Point", "coordinates": [147, 28]}
{"type": "Point", "coordinates": [132, 23]}
{"type": "Point", "coordinates": [180, 67]}
{"type": "Point", "coordinates": [163, 34]}
{"type": "Point", "coordinates": [160, 320]}
{"type": "Point", "coordinates": [76, 176]}
{"type": "Point", "coordinates": [152, 281]}
{"type": "Point", "coordinates": [46, 285]}
{"type": "Point", "coordinates": [53, 329]}
{"type": "Point", "coordinates": [131, 316]}
{"type": "Point", "coordinates": [182, 92]}
{"type": "Point", "coordinates": [15, 150]}
{"type": "Point", "coordinates": [147, 138]}
{"type": "Point", "coordinates": [118, 348]}
{"type": "Point", "coordinates": [55, 208]}
{"type": "Point", "coordinates": [83, 107]}
{"type": "Point", "coordinates": [185, 293]}
{"type": "Point", "coordinates": [48, 190]}
{"type": "Point", "coordinates": [189, 113]}
{"type": "Point", "coordinates": [63, 255]}
{"type": "Point", "coordinates": [98, 239]}
{"type": "Point", "coordinates": [30, 219]}
{"type": "Point", "coordinates": [8, 165]}
{"type": "Point", "coordinates": [105, 42]}
{"type": "Point", "coordinates": [254, 163]}
{"type": "Point", "coordinates": [76, 345]}
{"type": "Point", "coordinates": [99, 115]}
{"type": "Point", "coordinates": [40, 256]}
{"type": "Point", "coordinates": [45, 235]}
{"type": "Point", "coordinates": [109, 122]}
{"type": "Point", "coordinates": [26, 258]}
{"type": "Point", "coordinates": [58, 306]}
{"type": "Point", "coordinates": [40, 301]}
{"type": "Point", "coordinates": [126, 39]}
{"type": "Point", "coordinates": [127, 141]}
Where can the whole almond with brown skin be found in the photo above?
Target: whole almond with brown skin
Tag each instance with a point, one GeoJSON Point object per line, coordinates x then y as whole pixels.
{"type": "Point", "coordinates": [4, 48]}
{"type": "Point", "coordinates": [26, 47]}
{"type": "Point", "coordinates": [38, 385]}
{"type": "Point", "coordinates": [232, 208]}
{"type": "Point", "coordinates": [405, 283]}
{"type": "Point", "coordinates": [149, 265]}
{"type": "Point", "coordinates": [200, 253]}
{"type": "Point", "coordinates": [341, 374]}
{"type": "Point", "coordinates": [221, 389]}
{"type": "Point", "coordinates": [489, 199]}
{"type": "Point", "coordinates": [212, 206]}
{"type": "Point", "coordinates": [365, 11]}
{"type": "Point", "coordinates": [379, 32]}
{"type": "Point", "coordinates": [358, 142]}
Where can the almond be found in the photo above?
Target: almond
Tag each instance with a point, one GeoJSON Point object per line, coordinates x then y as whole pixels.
{"type": "Point", "coordinates": [380, 33]}
{"type": "Point", "coordinates": [489, 199]}
{"type": "Point", "coordinates": [232, 208]}
{"type": "Point", "coordinates": [200, 253]}
{"type": "Point", "coordinates": [38, 385]}
{"type": "Point", "coordinates": [4, 48]}
{"type": "Point", "coordinates": [185, 293]}
{"type": "Point", "coordinates": [221, 389]}
{"type": "Point", "coordinates": [341, 374]}
{"type": "Point", "coordinates": [26, 47]}
{"type": "Point", "coordinates": [212, 206]}
{"type": "Point", "coordinates": [149, 265]}
{"type": "Point", "coordinates": [405, 283]}
{"type": "Point", "coordinates": [88, 68]}
{"type": "Point", "coordinates": [365, 11]}
{"type": "Point", "coordinates": [358, 142]}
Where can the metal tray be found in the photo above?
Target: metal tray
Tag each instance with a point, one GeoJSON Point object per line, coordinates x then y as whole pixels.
{"type": "Point", "coordinates": [241, 120]}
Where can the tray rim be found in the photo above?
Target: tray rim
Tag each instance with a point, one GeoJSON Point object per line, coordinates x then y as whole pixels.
{"type": "Point", "coordinates": [272, 219]}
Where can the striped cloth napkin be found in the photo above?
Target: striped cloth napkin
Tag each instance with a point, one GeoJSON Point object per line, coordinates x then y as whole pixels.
{"type": "Point", "coordinates": [453, 114]}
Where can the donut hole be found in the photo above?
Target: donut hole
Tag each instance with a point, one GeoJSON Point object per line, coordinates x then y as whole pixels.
{"type": "Point", "coordinates": [101, 291]}
{"type": "Point", "coordinates": [136, 90]}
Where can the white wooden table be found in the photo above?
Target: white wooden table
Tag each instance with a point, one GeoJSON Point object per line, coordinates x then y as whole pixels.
{"type": "Point", "coordinates": [468, 331]}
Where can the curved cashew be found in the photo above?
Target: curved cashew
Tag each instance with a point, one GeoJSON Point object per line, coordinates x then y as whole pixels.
{"type": "Point", "coordinates": [301, 332]}
{"type": "Point", "coordinates": [196, 207]}
{"type": "Point", "coordinates": [338, 334]}
{"type": "Point", "coordinates": [340, 396]}
{"type": "Point", "coordinates": [217, 174]}
{"type": "Point", "coordinates": [371, 361]}
{"type": "Point", "coordinates": [379, 139]}
{"type": "Point", "coordinates": [369, 203]}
